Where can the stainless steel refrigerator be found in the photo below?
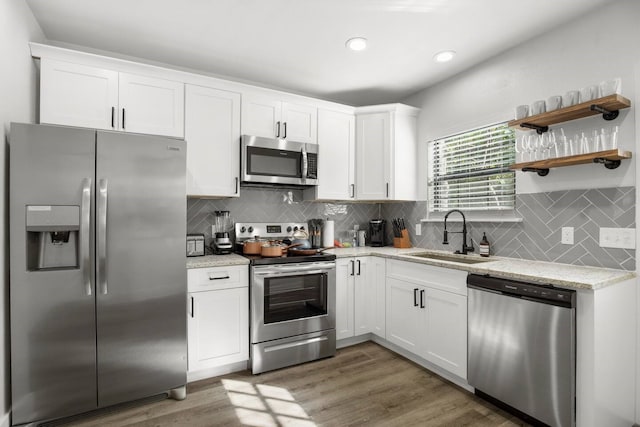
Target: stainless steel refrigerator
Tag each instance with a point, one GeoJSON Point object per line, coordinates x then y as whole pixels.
{"type": "Point", "coordinates": [97, 269]}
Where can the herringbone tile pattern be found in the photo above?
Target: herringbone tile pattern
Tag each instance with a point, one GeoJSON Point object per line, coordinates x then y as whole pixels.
{"type": "Point", "coordinates": [264, 205]}
{"type": "Point", "coordinates": [537, 237]}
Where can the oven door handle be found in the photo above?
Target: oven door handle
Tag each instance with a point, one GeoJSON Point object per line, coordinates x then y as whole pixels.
{"type": "Point", "coordinates": [280, 273]}
{"type": "Point", "coordinates": [312, 268]}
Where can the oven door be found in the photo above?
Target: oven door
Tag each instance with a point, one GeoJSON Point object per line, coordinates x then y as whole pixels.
{"type": "Point", "coordinates": [292, 299]}
{"type": "Point", "coordinates": [276, 161]}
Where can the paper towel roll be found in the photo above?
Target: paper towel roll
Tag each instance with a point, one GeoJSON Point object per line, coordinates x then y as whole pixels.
{"type": "Point", "coordinates": [327, 234]}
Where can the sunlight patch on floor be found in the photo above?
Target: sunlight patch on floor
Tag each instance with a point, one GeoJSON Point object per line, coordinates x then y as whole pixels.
{"type": "Point", "coordinates": [263, 405]}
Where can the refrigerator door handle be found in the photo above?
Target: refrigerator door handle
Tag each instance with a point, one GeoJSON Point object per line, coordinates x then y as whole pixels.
{"type": "Point", "coordinates": [102, 235]}
{"type": "Point", "coordinates": [85, 225]}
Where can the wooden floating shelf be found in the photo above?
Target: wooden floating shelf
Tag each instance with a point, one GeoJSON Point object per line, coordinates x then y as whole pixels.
{"type": "Point", "coordinates": [608, 106]}
{"type": "Point", "coordinates": [610, 158]}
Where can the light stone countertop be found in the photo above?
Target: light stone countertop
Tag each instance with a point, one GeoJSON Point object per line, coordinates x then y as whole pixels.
{"type": "Point", "coordinates": [216, 261]}
{"type": "Point", "coordinates": [565, 275]}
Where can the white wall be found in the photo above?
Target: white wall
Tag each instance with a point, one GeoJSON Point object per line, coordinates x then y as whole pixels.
{"type": "Point", "coordinates": [598, 46]}
{"type": "Point", "coordinates": [18, 95]}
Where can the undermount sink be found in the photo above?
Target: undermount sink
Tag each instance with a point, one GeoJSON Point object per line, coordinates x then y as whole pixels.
{"type": "Point", "coordinates": [462, 259]}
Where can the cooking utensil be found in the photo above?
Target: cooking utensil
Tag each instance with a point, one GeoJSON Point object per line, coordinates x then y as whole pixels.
{"type": "Point", "coordinates": [306, 252]}
{"type": "Point", "coordinates": [301, 237]}
{"type": "Point", "coordinates": [253, 247]}
{"type": "Point", "coordinates": [275, 249]}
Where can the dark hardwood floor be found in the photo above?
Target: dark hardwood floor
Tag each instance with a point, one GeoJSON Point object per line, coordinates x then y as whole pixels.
{"type": "Point", "coordinates": [363, 385]}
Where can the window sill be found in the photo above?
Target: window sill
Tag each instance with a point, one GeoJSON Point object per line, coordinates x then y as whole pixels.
{"type": "Point", "coordinates": [458, 218]}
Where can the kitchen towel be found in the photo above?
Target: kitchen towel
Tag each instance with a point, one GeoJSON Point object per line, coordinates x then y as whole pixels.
{"type": "Point", "coordinates": [327, 234]}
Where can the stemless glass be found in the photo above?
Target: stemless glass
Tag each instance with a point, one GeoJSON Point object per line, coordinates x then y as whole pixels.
{"type": "Point", "coordinates": [552, 144]}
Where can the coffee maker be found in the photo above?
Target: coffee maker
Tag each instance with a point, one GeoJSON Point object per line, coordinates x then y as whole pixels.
{"type": "Point", "coordinates": [377, 232]}
{"type": "Point", "coordinates": [221, 241]}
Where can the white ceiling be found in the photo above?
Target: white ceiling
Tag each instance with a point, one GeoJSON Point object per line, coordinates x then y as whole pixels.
{"type": "Point", "coordinates": [299, 45]}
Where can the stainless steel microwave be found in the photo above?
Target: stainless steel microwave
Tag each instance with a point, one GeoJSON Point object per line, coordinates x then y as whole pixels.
{"type": "Point", "coordinates": [278, 161]}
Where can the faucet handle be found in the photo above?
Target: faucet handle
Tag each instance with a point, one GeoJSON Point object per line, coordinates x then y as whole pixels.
{"type": "Point", "coordinates": [471, 248]}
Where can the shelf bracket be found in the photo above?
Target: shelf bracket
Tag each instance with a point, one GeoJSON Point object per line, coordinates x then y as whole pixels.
{"type": "Point", "coordinates": [606, 114]}
{"type": "Point", "coordinates": [538, 128]}
{"type": "Point", "coordinates": [609, 164]}
{"type": "Point", "coordinates": [540, 172]}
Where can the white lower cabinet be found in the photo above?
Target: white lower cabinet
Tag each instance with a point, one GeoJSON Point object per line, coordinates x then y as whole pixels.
{"type": "Point", "coordinates": [427, 313]}
{"type": "Point", "coordinates": [218, 317]}
{"type": "Point", "coordinates": [404, 316]}
{"type": "Point", "coordinates": [360, 296]}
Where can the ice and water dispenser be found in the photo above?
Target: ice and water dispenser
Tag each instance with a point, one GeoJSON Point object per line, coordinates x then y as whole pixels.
{"type": "Point", "coordinates": [52, 237]}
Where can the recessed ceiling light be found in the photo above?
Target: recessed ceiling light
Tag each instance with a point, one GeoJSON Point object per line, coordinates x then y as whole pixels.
{"type": "Point", "coordinates": [444, 56]}
{"type": "Point", "coordinates": [357, 43]}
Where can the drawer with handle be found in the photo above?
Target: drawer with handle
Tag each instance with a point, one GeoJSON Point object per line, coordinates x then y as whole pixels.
{"type": "Point", "coordinates": [227, 277]}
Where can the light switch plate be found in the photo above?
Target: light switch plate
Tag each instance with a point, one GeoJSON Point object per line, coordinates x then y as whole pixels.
{"type": "Point", "coordinates": [624, 238]}
{"type": "Point", "coordinates": [567, 235]}
{"type": "Point", "coordinates": [418, 229]}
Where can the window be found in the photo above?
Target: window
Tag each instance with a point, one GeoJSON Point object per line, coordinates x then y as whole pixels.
{"type": "Point", "coordinates": [470, 171]}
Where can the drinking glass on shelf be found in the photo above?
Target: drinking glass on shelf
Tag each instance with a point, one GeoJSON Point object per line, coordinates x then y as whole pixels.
{"type": "Point", "coordinates": [552, 144]}
{"type": "Point", "coordinates": [609, 138]}
{"type": "Point", "coordinates": [532, 145]}
{"type": "Point", "coordinates": [584, 144]}
{"type": "Point", "coordinates": [563, 144]}
{"type": "Point", "coordinates": [594, 142]}
{"type": "Point", "coordinates": [520, 147]}
{"type": "Point", "coordinates": [574, 145]}
{"type": "Point", "coordinates": [543, 146]}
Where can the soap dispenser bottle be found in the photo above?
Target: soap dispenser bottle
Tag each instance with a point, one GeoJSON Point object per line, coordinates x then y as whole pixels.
{"type": "Point", "coordinates": [484, 245]}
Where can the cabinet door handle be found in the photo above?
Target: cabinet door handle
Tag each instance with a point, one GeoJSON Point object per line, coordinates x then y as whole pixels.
{"type": "Point", "coordinates": [358, 267]}
{"type": "Point", "coordinates": [113, 117]}
{"type": "Point", "coordinates": [236, 185]}
{"type": "Point", "coordinates": [277, 129]}
{"type": "Point", "coordinates": [353, 267]}
{"type": "Point", "coordinates": [421, 298]}
{"type": "Point", "coordinates": [387, 189]}
{"type": "Point", "coordinates": [284, 124]}
{"type": "Point", "coordinates": [415, 297]}
{"type": "Point", "coordinates": [353, 190]}
{"type": "Point", "coordinates": [123, 119]}
{"type": "Point", "coordinates": [192, 309]}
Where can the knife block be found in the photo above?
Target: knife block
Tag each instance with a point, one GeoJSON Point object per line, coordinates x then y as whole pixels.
{"type": "Point", "coordinates": [402, 242]}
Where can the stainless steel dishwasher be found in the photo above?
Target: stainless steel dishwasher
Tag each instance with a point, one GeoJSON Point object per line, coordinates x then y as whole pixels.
{"type": "Point", "coordinates": [521, 347]}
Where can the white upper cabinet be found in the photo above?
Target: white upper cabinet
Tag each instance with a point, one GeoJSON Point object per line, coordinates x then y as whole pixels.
{"type": "Point", "coordinates": [300, 122]}
{"type": "Point", "coordinates": [373, 138]}
{"type": "Point", "coordinates": [212, 132]}
{"type": "Point", "coordinates": [79, 95]}
{"type": "Point", "coordinates": [272, 118]}
{"type": "Point", "coordinates": [386, 152]}
{"type": "Point", "coordinates": [336, 160]}
{"type": "Point", "coordinates": [151, 105]}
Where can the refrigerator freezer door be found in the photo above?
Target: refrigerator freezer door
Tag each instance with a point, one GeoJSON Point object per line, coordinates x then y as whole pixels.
{"type": "Point", "coordinates": [53, 354]}
{"type": "Point", "coordinates": [141, 271]}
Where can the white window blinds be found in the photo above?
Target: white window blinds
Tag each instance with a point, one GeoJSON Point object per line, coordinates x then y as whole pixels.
{"type": "Point", "coordinates": [470, 171]}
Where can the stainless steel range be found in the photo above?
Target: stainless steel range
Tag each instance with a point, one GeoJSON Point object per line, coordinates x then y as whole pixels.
{"type": "Point", "coordinates": [293, 301]}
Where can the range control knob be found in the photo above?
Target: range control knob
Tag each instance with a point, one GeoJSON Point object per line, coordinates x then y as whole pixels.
{"type": "Point", "coordinates": [250, 229]}
{"type": "Point", "coordinates": [302, 228]}
{"type": "Point", "coordinates": [289, 229]}
{"type": "Point", "coordinates": [295, 228]}
{"type": "Point", "coordinates": [242, 229]}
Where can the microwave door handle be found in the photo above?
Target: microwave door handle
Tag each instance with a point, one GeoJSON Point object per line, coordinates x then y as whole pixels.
{"type": "Point", "coordinates": [305, 164]}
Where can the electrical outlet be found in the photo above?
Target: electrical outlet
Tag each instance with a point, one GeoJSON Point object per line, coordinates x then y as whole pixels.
{"type": "Point", "coordinates": [567, 235]}
{"type": "Point", "coordinates": [418, 229]}
{"type": "Point", "coordinates": [624, 238]}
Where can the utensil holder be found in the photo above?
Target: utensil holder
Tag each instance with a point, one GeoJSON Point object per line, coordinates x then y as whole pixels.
{"type": "Point", "coordinates": [402, 242]}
